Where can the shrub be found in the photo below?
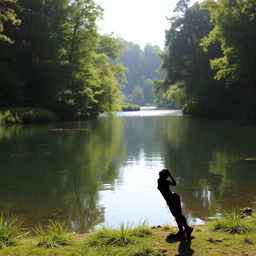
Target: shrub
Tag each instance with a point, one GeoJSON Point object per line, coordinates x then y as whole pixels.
{"type": "Point", "coordinates": [55, 235]}
{"type": "Point", "coordinates": [130, 107]}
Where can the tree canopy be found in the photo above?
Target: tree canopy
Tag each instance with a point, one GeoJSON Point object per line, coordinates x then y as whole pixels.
{"type": "Point", "coordinates": [59, 61]}
{"type": "Point", "coordinates": [7, 16]}
{"type": "Point", "coordinates": [209, 58]}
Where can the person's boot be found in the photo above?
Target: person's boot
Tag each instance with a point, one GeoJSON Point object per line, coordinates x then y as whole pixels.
{"type": "Point", "coordinates": [179, 234]}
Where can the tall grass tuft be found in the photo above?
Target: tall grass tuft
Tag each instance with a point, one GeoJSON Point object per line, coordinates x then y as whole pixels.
{"type": "Point", "coordinates": [232, 223]}
{"type": "Point", "coordinates": [122, 236]}
{"type": "Point", "coordinates": [9, 230]}
{"type": "Point", "coordinates": [57, 234]}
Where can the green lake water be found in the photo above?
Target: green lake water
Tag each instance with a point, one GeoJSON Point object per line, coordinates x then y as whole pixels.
{"type": "Point", "coordinates": [104, 171]}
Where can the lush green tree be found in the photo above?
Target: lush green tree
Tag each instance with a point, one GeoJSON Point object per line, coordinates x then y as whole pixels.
{"type": "Point", "coordinates": [189, 80]}
{"type": "Point", "coordinates": [7, 15]}
{"type": "Point", "coordinates": [235, 30]}
{"type": "Point", "coordinates": [59, 60]}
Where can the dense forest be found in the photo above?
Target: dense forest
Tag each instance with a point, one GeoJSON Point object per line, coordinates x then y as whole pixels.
{"type": "Point", "coordinates": [210, 59]}
{"type": "Point", "coordinates": [52, 57]}
{"type": "Point", "coordinates": [143, 65]}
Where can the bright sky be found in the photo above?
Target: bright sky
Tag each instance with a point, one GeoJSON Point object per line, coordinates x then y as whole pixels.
{"type": "Point", "coordinates": [138, 21]}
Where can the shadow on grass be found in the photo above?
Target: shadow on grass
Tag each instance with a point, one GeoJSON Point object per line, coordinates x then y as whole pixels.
{"type": "Point", "coordinates": [184, 246]}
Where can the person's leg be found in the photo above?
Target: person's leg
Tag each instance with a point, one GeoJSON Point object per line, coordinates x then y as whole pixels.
{"type": "Point", "coordinates": [178, 219]}
{"type": "Point", "coordinates": [176, 211]}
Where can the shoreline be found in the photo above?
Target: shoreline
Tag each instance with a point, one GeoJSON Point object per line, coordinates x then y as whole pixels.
{"type": "Point", "coordinates": [140, 241]}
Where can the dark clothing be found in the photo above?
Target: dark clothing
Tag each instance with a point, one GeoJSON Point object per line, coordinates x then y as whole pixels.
{"type": "Point", "coordinates": [172, 200]}
{"type": "Point", "coordinates": [164, 187]}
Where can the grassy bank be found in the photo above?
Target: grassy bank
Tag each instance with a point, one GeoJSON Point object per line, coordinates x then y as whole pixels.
{"type": "Point", "coordinates": [25, 115]}
{"type": "Point", "coordinates": [210, 239]}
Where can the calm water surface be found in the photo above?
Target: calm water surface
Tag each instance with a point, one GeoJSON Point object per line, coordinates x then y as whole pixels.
{"type": "Point", "coordinates": [105, 170]}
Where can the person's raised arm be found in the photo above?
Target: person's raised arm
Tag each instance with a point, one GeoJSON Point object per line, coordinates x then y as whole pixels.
{"type": "Point", "coordinates": [172, 180]}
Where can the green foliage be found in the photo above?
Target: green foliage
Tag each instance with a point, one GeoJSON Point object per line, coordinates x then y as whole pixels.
{"type": "Point", "coordinates": [190, 79]}
{"type": "Point", "coordinates": [130, 107]}
{"type": "Point", "coordinates": [59, 60]}
{"type": "Point", "coordinates": [232, 223]}
{"type": "Point", "coordinates": [9, 230]}
{"type": "Point", "coordinates": [7, 15]}
{"type": "Point", "coordinates": [26, 115]}
{"type": "Point", "coordinates": [176, 93]}
{"type": "Point", "coordinates": [124, 236]}
{"type": "Point", "coordinates": [234, 29]}
{"type": "Point", "coordinates": [55, 235]}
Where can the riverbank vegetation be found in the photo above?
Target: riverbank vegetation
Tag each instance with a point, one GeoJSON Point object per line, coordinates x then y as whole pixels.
{"type": "Point", "coordinates": [130, 107]}
{"type": "Point", "coordinates": [131, 240]}
{"type": "Point", "coordinates": [26, 115]}
{"type": "Point", "coordinates": [209, 59]}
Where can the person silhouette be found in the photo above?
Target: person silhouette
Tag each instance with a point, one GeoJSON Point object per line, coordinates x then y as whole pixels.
{"type": "Point", "coordinates": [173, 201]}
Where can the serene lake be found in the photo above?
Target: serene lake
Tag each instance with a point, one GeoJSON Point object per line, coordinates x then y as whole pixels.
{"type": "Point", "coordinates": [105, 170]}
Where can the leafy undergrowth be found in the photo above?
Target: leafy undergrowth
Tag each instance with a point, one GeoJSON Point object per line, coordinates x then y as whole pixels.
{"type": "Point", "coordinates": [144, 241]}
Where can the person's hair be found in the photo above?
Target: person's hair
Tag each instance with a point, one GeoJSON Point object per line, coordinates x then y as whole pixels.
{"type": "Point", "coordinates": [164, 173]}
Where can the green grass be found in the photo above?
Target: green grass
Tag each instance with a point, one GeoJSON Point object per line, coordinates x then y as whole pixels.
{"type": "Point", "coordinates": [55, 235]}
{"type": "Point", "coordinates": [9, 230]}
{"type": "Point", "coordinates": [25, 115]}
{"type": "Point", "coordinates": [122, 236]}
{"type": "Point", "coordinates": [166, 227]}
{"type": "Point", "coordinates": [140, 240]}
{"type": "Point", "coordinates": [233, 223]}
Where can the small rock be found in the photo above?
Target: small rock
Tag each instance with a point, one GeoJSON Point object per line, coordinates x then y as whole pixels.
{"type": "Point", "coordinates": [247, 211]}
{"type": "Point", "coordinates": [211, 240]}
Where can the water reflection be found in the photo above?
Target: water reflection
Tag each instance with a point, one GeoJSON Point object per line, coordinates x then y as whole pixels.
{"type": "Point", "coordinates": [105, 170]}
{"type": "Point", "coordinates": [47, 173]}
{"type": "Point", "coordinates": [207, 157]}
